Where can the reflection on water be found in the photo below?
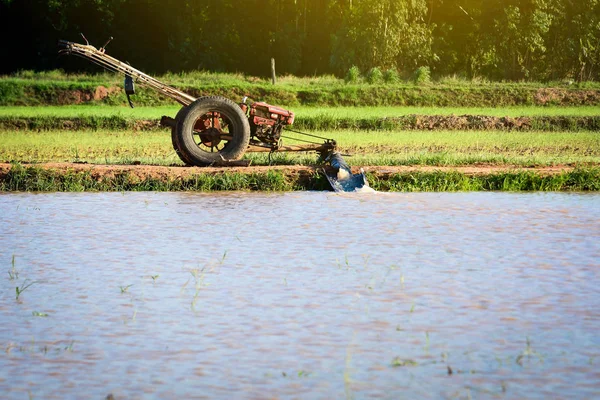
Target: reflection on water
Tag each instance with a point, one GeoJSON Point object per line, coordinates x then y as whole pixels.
{"type": "Point", "coordinates": [309, 295]}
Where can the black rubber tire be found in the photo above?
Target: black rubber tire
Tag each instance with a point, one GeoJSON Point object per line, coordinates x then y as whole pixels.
{"type": "Point", "coordinates": [175, 138]}
{"type": "Point", "coordinates": [238, 126]}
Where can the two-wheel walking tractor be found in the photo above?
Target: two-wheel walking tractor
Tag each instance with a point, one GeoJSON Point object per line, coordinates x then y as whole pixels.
{"type": "Point", "coordinates": [210, 130]}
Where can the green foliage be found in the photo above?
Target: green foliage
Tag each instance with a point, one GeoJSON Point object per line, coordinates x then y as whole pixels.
{"type": "Point", "coordinates": [383, 33]}
{"type": "Point", "coordinates": [11, 92]}
{"type": "Point", "coordinates": [374, 76]}
{"type": "Point", "coordinates": [391, 76]}
{"type": "Point", "coordinates": [422, 76]}
{"type": "Point", "coordinates": [353, 74]}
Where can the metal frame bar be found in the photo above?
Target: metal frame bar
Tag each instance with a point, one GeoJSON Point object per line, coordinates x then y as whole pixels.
{"type": "Point", "coordinates": [325, 147]}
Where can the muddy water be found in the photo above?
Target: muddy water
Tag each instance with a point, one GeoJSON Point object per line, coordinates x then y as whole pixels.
{"type": "Point", "coordinates": [303, 295]}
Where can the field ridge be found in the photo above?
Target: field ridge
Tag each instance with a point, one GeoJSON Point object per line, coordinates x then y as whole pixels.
{"type": "Point", "coordinates": [32, 92]}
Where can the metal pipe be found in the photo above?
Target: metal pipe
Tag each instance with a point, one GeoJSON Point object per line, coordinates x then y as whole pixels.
{"type": "Point", "coordinates": [306, 147]}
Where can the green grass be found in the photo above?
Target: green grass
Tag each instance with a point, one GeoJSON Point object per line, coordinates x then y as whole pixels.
{"type": "Point", "coordinates": [459, 148]}
{"type": "Point", "coordinates": [580, 179]}
{"type": "Point", "coordinates": [386, 112]}
{"type": "Point", "coordinates": [440, 148]}
{"type": "Point", "coordinates": [89, 111]}
{"type": "Point", "coordinates": [107, 147]}
{"type": "Point", "coordinates": [59, 75]}
{"type": "Point", "coordinates": [34, 179]}
{"type": "Point", "coordinates": [318, 118]}
{"type": "Point", "coordinates": [548, 144]}
{"type": "Point", "coordinates": [302, 112]}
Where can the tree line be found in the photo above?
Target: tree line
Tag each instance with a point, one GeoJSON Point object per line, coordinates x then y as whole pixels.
{"type": "Point", "coordinates": [494, 39]}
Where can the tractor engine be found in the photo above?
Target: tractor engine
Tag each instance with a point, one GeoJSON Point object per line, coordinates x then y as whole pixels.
{"type": "Point", "coordinates": [267, 121]}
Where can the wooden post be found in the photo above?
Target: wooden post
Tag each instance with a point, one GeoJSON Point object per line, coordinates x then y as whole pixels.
{"type": "Point", "coordinates": [273, 76]}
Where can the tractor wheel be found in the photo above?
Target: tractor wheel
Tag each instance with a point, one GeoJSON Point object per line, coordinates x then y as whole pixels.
{"type": "Point", "coordinates": [211, 129]}
{"type": "Point", "coordinates": [175, 139]}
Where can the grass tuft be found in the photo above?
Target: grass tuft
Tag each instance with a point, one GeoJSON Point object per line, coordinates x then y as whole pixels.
{"type": "Point", "coordinates": [399, 362]}
{"type": "Point", "coordinates": [20, 289]}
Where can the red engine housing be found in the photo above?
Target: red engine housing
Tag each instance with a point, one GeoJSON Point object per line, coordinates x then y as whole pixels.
{"type": "Point", "coordinates": [263, 113]}
{"type": "Point", "coordinates": [267, 121]}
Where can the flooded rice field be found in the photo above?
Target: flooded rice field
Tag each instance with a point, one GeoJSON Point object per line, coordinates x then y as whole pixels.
{"type": "Point", "coordinates": [299, 295]}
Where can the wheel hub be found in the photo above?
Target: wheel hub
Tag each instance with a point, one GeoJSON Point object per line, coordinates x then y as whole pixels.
{"type": "Point", "coordinates": [210, 137]}
{"type": "Point", "coordinates": [209, 129]}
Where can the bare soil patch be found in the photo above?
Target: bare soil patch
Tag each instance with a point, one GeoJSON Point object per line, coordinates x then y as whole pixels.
{"type": "Point", "coordinates": [566, 96]}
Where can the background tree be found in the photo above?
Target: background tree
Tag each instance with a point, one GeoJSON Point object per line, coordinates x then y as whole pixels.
{"type": "Point", "coordinates": [384, 33]}
{"type": "Point", "coordinates": [497, 39]}
{"type": "Point", "coordinates": [573, 40]}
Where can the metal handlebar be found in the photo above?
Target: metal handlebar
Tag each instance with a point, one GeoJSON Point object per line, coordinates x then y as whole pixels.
{"type": "Point", "coordinates": [99, 57]}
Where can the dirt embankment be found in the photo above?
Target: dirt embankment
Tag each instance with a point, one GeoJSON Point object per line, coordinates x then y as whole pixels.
{"type": "Point", "coordinates": [371, 96]}
{"type": "Point", "coordinates": [559, 96]}
{"type": "Point", "coordinates": [407, 122]}
{"type": "Point", "coordinates": [485, 123]}
{"type": "Point", "coordinates": [79, 96]}
{"type": "Point", "coordinates": [77, 123]}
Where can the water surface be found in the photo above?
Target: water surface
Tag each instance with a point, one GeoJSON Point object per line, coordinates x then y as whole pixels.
{"type": "Point", "coordinates": [300, 295]}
